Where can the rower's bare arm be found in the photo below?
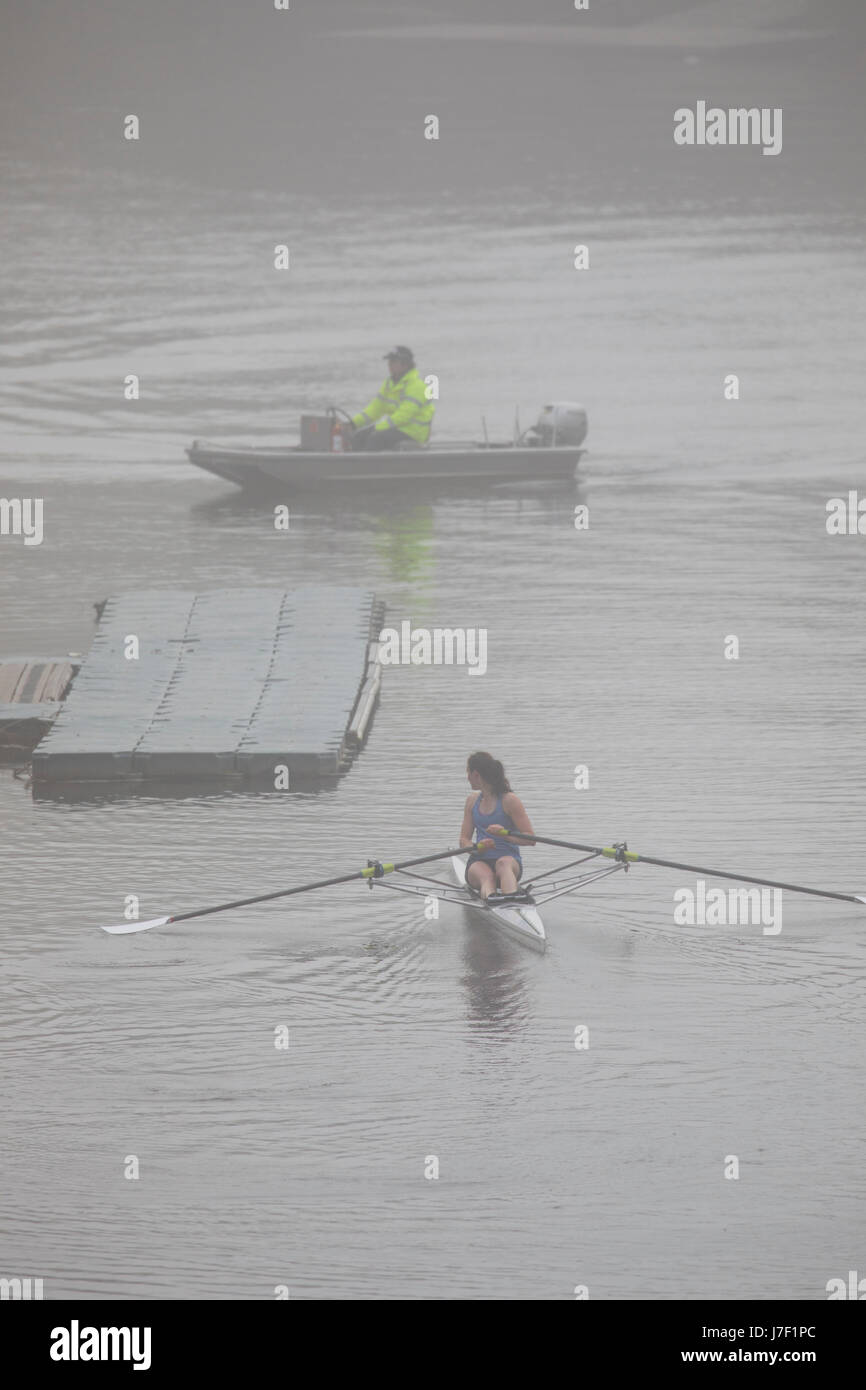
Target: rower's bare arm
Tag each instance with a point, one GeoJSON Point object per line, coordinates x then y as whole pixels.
{"type": "Point", "coordinates": [467, 829]}
{"type": "Point", "coordinates": [517, 811]}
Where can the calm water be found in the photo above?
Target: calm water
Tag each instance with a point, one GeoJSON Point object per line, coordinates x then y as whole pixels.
{"type": "Point", "coordinates": [411, 1038]}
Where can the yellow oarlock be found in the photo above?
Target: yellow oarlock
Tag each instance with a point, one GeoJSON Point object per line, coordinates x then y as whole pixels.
{"type": "Point", "coordinates": [376, 870]}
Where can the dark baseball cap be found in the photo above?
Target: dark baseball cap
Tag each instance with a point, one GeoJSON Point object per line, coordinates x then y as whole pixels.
{"type": "Point", "coordinates": [405, 354]}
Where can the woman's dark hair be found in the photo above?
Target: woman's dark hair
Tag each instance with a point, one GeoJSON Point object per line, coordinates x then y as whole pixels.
{"type": "Point", "coordinates": [491, 770]}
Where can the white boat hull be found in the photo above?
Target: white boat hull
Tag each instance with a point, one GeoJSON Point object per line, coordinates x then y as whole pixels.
{"type": "Point", "coordinates": [522, 921]}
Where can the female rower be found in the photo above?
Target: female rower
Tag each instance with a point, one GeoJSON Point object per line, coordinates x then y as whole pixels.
{"type": "Point", "coordinates": [495, 865]}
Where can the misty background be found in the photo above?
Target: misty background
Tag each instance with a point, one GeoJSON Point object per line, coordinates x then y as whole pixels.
{"type": "Point", "coordinates": [411, 1037]}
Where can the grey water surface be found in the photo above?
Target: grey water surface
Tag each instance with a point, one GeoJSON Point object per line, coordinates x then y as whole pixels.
{"type": "Point", "coordinates": [412, 1038]}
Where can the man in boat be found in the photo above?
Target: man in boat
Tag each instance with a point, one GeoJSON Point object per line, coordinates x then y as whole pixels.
{"type": "Point", "coordinates": [401, 415]}
{"type": "Point", "coordinates": [494, 866]}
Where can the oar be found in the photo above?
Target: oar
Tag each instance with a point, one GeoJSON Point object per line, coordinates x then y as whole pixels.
{"type": "Point", "coordinates": [628, 856]}
{"type": "Point", "coordinates": [374, 870]}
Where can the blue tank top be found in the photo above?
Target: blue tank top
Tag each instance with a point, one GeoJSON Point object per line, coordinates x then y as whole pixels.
{"type": "Point", "coordinates": [496, 817]}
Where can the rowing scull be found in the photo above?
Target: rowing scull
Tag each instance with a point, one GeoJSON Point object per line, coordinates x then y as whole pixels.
{"type": "Point", "coordinates": [520, 918]}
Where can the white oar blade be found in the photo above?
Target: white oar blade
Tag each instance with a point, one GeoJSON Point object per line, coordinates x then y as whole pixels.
{"type": "Point", "coordinates": [859, 899]}
{"type": "Point", "coordinates": [126, 927]}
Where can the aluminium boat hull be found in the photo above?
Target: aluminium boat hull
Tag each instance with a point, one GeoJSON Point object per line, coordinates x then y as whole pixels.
{"type": "Point", "coordinates": [264, 469]}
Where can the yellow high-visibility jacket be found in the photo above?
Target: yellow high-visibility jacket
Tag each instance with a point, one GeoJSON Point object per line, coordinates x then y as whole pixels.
{"type": "Point", "coordinates": [402, 404]}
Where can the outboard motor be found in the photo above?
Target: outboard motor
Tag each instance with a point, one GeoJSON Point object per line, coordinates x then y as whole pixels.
{"type": "Point", "coordinates": [562, 423]}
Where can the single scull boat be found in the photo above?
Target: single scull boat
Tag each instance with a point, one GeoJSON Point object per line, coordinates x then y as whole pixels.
{"type": "Point", "coordinates": [519, 916]}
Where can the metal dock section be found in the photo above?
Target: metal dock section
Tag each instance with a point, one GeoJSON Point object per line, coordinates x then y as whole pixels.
{"type": "Point", "coordinates": [231, 686]}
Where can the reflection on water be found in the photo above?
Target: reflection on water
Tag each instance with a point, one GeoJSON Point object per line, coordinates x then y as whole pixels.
{"type": "Point", "coordinates": [404, 542]}
{"type": "Point", "coordinates": [496, 996]}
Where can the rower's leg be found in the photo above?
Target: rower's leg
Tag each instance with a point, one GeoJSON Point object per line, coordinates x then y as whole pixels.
{"type": "Point", "coordinates": [481, 876]}
{"type": "Point", "coordinates": [506, 873]}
